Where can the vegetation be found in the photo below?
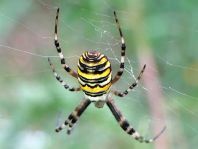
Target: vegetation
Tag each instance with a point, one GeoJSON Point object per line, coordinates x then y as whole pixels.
{"type": "Point", "coordinates": [32, 102]}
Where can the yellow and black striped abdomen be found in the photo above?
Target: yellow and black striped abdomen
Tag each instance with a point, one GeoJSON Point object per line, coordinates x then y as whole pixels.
{"type": "Point", "coordinates": [94, 73]}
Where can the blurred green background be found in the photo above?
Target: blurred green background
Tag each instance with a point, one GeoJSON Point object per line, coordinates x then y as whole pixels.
{"type": "Point", "coordinates": [163, 34]}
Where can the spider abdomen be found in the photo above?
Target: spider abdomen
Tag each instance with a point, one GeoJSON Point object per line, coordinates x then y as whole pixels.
{"type": "Point", "coordinates": [94, 74]}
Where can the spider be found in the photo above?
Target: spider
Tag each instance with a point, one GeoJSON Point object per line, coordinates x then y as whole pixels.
{"type": "Point", "coordinates": [94, 75]}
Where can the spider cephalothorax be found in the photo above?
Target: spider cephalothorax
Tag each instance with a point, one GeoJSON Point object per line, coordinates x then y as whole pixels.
{"type": "Point", "coordinates": [95, 77]}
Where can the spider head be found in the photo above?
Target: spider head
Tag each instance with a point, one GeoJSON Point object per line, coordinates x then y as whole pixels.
{"type": "Point", "coordinates": [93, 54]}
{"type": "Point", "coordinates": [94, 74]}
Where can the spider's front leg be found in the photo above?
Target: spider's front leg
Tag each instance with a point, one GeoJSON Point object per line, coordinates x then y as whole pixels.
{"type": "Point", "coordinates": [124, 124]}
{"type": "Point", "coordinates": [57, 45]}
{"type": "Point", "coordinates": [123, 47]}
{"type": "Point", "coordinates": [74, 116]}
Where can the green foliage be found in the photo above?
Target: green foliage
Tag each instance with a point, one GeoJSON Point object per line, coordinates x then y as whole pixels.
{"type": "Point", "coordinates": [31, 99]}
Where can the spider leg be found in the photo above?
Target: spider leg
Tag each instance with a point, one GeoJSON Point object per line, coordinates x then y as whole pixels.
{"type": "Point", "coordinates": [57, 45]}
{"type": "Point", "coordinates": [123, 47]}
{"type": "Point", "coordinates": [122, 94]}
{"type": "Point", "coordinates": [74, 116]}
{"type": "Point", "coordinates": [59, 79]}
{"type": "Point", "coordinates": [124, 124]}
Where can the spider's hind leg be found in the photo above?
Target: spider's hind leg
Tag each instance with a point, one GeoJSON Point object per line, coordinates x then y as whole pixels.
{"type": "Point", "coordinates": [59, 50]}
{"type": "Point", "coordinates": [124, 124]}
{"type": "Point", "coordinates": [74, 116]}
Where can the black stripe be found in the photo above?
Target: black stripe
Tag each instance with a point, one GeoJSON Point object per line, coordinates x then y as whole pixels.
{"type": "Point", "coordinates": [117, 22]}
{"type": "Point", "coordinates": [122, 53]}
{"type": "Point", "coordinates": [72, 89]}
{"type": "Point", "coordinates": [58, 78]}
{"type": "Point", "coordinates": [122, 65]}
{"type": "Point", "coordinates": [88, 59]}
{"type": "Point", "coordinates": [56, 43]}
{"type": "Point", "coordinates": [96, 85]}
{"type": "Point", "coordinates": [120, 94]}
{"type": "Point", "coordinates": [58, 129]}
{"type": "Point", "coordinates": [133, 85]}
{"type": "Point", "coordinates": [66, 123]}
{"type": "Point", "coordinates": [120, 29]}
{"type": "Point", "coordinates": [93, 69]}
{"type": "Point", "coordinates": [116, 113]}
{"type": "Point", "coordinates": [62, 61]}
{"type": "Point", "coordinates": [57, 46]}
{"type": "Point", "coordinates": [66, 86]}
{"type": "Point", "coordinates": [70, 117]}
{"type": "Point", "coordinates": [126, 92]}
{"type": "Point", "coordinates": [74, 119]}
{"type": "Point", "coordinates": [124, 125]}
{"type": "Point", "coordinates": [95, 94]}
{"type": "Point", "coordinates": [123, 46]}
{"type": "Point", "coordinates": [67, 69]}
{"type": "Point", "coordinates": [58, 49]}
{"type": "Point", "coordinates": [56, 21]}
{"type": "Point", "coordinates": [119, 73]}
{"type": "Point", "coordinates": [131, 131]}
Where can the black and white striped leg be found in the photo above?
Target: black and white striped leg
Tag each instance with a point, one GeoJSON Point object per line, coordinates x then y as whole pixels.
{"type": "Point", "coordinates": [124, 124]}
{"type": "Point", "coordinates": [122, 94]}
{"type": "Point", "coordinates": [59, 79]}
{"type": "Point", "coordinates": [123, 47]}
{"type": "Point", "coordinates": [74, 116]}
{"type": "Point", "coordinates": [57, 45]}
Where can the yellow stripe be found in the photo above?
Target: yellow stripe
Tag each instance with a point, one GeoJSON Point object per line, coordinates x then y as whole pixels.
{"type": "Point", "coordinates": [91, 64]}
{"type": "Point", "coordinates": [94, 76]}
{"type": "Point", "coordinates": [96, 89]}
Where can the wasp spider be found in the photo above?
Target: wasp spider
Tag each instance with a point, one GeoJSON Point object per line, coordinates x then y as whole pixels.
{"type": "Point", "coordinates": [94, 75]}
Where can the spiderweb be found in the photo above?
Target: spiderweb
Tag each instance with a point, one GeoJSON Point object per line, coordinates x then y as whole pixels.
{"type": "Point", "coordinates": [31, 97]}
